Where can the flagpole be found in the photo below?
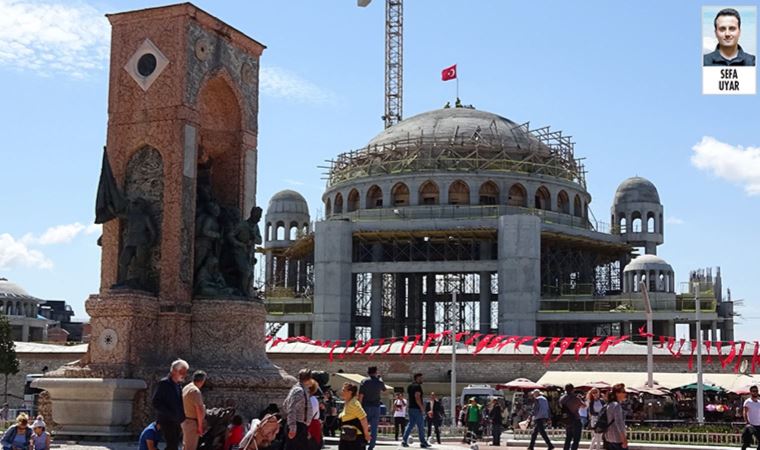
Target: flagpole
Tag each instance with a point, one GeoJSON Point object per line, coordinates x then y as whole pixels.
{"type": "Point", "coordinates": [457, 85]}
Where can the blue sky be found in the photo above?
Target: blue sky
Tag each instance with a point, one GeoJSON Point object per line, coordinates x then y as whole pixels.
{"type": "Point", "coordinates": [623, 78]}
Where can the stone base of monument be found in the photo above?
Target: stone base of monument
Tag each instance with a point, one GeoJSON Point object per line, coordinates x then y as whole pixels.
{"type": "Point", "coordinates": [135, 339]}
{"type": "Point", "coordinates": [91, 406]}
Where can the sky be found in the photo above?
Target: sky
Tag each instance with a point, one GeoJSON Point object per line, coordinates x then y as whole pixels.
{"type": "Point", "coordinates": [623, 78]}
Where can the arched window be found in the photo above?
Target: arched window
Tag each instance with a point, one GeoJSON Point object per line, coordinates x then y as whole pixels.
{"type": "Point", "coordinates": [429, 193]}
{"type": "Point", "coordinates": [563, 202]}
{"type": "Point", "coordinates": [488, 194]}
{"type": "Point", "coordinates": [353, 201]}
{"type": "Point", "coordinates": [280, 231]}
{"type": "Point", "coordinates": [623, 225]}
{"type": "Point", "coordinates": [459, 193]}
{"type": "Point", "coordinates": [578, 206]}
{"type": "Point", "coordinates": [338, 203]}
{"type": "Point", "coordinates": [328, 208]}
{"type": "Point", "coordinates": [636, 222]}
{"type": "Point", "coordinates": [542, 199]}
{"type": "Point", "coordinates": [293, 233]}
{"type": "Point", "coordinates": [400, 195]}
{"type": "Point", "coordinates": [374, 197]}
{"type": "Point", "coordinates": [518, 196]}
{"type": "Point", "coordinates": [650, 223]}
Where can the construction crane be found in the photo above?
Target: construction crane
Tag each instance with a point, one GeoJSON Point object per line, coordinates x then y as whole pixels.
{"type": "Point", "coordinates": [394, 59]}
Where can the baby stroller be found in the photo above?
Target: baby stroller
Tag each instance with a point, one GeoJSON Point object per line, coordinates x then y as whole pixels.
{"type": "Point", "coordinates": [217, 419]}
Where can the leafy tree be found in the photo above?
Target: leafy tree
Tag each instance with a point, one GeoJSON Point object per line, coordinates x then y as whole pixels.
{"type": "Point", "coordinates": [8, 358]}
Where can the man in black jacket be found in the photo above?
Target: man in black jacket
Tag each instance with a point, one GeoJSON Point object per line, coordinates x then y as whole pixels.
{"type": "Point", "coordinates": [167, 401]}
{"type": "Point", "coordinates": [435, 413]}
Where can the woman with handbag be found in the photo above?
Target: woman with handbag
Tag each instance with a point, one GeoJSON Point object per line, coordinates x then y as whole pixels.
{"type": "Point", "coordinates": [354, 428]}
{"type": "Point", "coordinates": [594, 405]}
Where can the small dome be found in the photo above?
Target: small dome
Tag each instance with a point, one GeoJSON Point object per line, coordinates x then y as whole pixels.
{"type": "Point", "coordinates": [454, 124]}
{"type": "Point", "coordinates": [636, 190]}
{"type": "Point", "coordinates": [12, 290]}
{"type": "Point", "coordinates": [648, 262]}
{"type": "Point", "coordinates": [288, 202]}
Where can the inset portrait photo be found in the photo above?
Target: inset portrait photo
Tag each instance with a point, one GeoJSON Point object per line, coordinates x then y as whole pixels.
{"type": "Point", "coordinates": [729, 49]}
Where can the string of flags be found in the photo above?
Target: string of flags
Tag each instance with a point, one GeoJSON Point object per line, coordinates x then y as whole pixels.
{"type": "Point", "coordinates": [557, 346]}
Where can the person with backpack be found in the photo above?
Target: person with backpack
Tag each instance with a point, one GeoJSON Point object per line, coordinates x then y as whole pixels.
{"type": "Point", "coordinates": [539, 417]}
{"type": "Point", "coordinates": [594, 406]}
{"type": "Point", "coordinates": [571, 405]}
{"type": "Point", "coordinates": [612, 419]}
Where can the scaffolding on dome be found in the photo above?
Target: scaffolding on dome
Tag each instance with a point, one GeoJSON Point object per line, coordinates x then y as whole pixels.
{"type": "Point", "coordinates": [537, 151]}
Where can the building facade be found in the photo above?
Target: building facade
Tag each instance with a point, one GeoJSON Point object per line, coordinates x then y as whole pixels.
{"type": "Point", "coordinates": [464, 202]}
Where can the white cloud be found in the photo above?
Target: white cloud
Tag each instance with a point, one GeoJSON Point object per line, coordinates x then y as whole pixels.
{"type": "Point", "coordinates": [60, 234]}
{"type": "Point", "coordinates": [93, 228]}
{"type": "Point", "coordinates": [737, 164]}
{"type": "Point", "coordinates": [673, 220]}
{"type": "Point", "coordinates": [283, 83]}
{"type": "Point", "coordinates": [53, 37]}
{"type": "Point", "coordinates": [15, 253]}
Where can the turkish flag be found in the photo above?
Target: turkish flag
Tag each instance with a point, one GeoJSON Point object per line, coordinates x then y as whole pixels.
{"type": "Point", "coordinates": [449, 73]}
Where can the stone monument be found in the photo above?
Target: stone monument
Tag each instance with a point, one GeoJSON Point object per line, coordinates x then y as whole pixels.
{"type": "Point", "coordinates": [177, 253]}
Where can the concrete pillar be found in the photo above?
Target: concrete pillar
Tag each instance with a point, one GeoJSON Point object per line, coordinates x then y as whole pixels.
{"type": "Point", "coordinates": [24, 333]}
{"type": "Point", "coordinates": [269, 261]}
{"type": "Point", "coordinates": [714, 330]}
{"type": "Point", "coordinates": [430, 303]}
{"type": "Point", "coordinates": [376, 319]}
{"type": "Point", "coordinates": [414, 302]}
{"type": "Point", "coordinates": [650, 248]}
{"type": "Point", "coordinates": [292, 273]}
{"type": "Point", "coordinates": [401, 304]}
{"type": "Point", "coordinates": [332, 280]}
{"type": "Point", "coordinates": [519, 273]}
{"type": "Point", "coordinates": [692, 330]}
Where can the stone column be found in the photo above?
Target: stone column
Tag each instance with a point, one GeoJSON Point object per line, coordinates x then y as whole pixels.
{"type": "Point", "coordinates": [292, 273]}
{"type": "Point", "coordinates": [332, 285]}
{"type": "Point", "coordinates": [414, 303]}
{"type": "Point", "coordinates": [268, 269]}
{"type": "Point", "coordinates": [692, 330]}
{"type": "Point", "coordinates": [25, 333]}
{"type": "Point", "coordinates": [376, 307]}
{"type": "Point", "coordinates": [485, 290]}
{"type": "Point", "coordinates": [519, 273]}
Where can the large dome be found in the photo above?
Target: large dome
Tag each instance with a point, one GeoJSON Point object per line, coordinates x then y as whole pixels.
{"type": "Point", "coordinates": [461, 124]}
{"type": "Point", "coordinates": [12, 290]}
{"type": "Point", "coordinates": [288, 201]}
{"type": "Point", "coordinates": [636, 190]}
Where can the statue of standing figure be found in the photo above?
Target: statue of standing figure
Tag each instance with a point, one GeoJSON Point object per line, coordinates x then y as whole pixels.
{"type": "Point", "coordinates": [243, 239]}
{"type": "Point", "coordinates": [139, 238]}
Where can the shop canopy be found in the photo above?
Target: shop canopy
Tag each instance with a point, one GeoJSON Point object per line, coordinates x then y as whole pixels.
{"type": "Point", "coordinates": [705, 386]}
{"type": "Point", "coordinates": [667, 380]}
{"type": "Point", "coordinates": [520, 384]}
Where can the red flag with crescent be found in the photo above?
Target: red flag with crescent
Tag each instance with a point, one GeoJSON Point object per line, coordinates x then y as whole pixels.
{"type": "Point", "coordinates": [449, 73]}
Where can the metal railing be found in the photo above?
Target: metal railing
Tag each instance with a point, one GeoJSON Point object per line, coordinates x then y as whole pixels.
{"type": "Point", "coordinates": [631, 302]}
{"type": "Point", "coordinates": [663, 436]}
{"type": "Point", "coordinates": [431, 212]}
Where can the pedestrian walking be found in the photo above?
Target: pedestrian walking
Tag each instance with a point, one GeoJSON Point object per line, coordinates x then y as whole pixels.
{"type": "Point", "coordinates": [496, 416]}
{"type": "Point", "coordinates": [594, 406]}
{"type": "Point", "coordinates": [571, 405]}
{"type": "Point", "coordinates": [399, 414]}
{"type": "Point", "coordinates": [416, 408]}
{"type": "Point", "coordinates": [195, 411]}
{"type": "Point", "coordinates": [472, 416]}
{"type": "Point", "coordinates": [751, 413]}
{"type": "Point", "coordinates": [354, 428]}
{"type": "Point", "coordinates": [315, 426]}
{"type": "Point", "coordinates": [369, 396]}
{"type": "Point", "coordinates": [434, 413]}
{"type": "Point", "coordinates": [331, 414]}
{"type": "Point", "coordinates": [539, 417]}
{"type": "Point", "coordinates": [298, 412]}
{"type": "Point", "coordinates": [614, 436]}
{"type": "Point", "coordinates": [167, 401]}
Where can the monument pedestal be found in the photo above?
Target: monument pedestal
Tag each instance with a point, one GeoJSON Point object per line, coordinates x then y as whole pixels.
{"type": "Point", "coordinates": [91, 406]}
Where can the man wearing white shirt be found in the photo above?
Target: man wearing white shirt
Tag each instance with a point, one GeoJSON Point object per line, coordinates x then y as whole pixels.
{"type": "Point", "coordinates": [752, 419]}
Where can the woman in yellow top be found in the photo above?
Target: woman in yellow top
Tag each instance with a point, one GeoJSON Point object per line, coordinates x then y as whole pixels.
{"type": "Point", "coordinates": [354, 427]}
